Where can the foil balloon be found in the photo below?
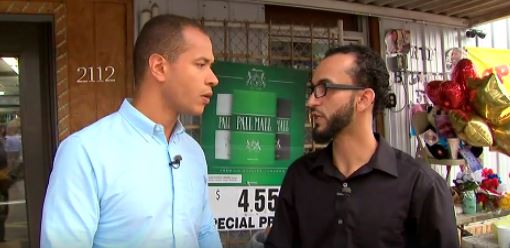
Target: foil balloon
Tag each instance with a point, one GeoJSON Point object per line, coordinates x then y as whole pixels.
{"type": "Point", "coordinates": [502, 139]}
{"type": "Point", "coordinates": [466, 107]}
{"type": "Point", "coordinates": [452, 95]}
{"type": "Point", "coordinates": [459, 120]}
{"type": "Point", "coordinates": [453, 56]}
{"type": "Point", "coordinates": [477, 132]}
{"type": "Point", "coordinates": [433, 91]}
{"type": "Point", "coordinates": [463, 71]}
{"type": "Point", "coordinates": [471, 128]}
{"type": "Point", "coordinates": [491, 100]}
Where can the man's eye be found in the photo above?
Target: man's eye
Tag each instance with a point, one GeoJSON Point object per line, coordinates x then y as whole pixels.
{"type": "Point", "coordinates": [201, 65]}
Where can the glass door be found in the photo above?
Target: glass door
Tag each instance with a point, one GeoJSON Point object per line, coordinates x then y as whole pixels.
{"type": "Point", "coordinates": [13, 216]}
{"type": "Point", "coordinates": [27, 137]}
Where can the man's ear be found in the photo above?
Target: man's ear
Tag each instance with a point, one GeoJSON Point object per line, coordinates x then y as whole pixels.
{"type": "Point", "coordinates": [157, 67]}
{"type": "Point", "coordinates": [366, 99]}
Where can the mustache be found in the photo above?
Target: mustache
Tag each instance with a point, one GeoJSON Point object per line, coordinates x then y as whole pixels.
{"type": "Point", "coordinates": [314, 111]}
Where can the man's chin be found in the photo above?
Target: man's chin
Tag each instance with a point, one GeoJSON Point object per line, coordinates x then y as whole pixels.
{"type": "Point", "coordinates": [194, 112]}
{"type": "Point", "coordinates": [320, 137]}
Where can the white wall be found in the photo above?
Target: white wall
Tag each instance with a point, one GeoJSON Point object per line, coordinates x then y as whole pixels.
{"type": "Point", "coordinates": [442, 38]}
{"type": "Point", "coordinates": [437, 39]}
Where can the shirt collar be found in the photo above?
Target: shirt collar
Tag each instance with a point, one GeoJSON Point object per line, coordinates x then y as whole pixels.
{"type": "Point", "coordinates": [383, 159]}
{"type": "Point", "coordinates": [146, 127]}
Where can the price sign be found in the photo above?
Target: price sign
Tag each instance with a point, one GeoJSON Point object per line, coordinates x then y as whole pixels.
{"type": "Point", "coordinates": [243, 208]}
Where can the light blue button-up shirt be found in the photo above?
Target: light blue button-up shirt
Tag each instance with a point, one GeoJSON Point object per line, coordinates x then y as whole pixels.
{"type": "Point", "coordinates": [112, 186]}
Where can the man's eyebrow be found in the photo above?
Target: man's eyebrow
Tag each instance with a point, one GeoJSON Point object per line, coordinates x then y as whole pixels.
{"type": "Point", "coordinates": [207, 60]}
{"type": "Point", "coordinates": [321, 80]}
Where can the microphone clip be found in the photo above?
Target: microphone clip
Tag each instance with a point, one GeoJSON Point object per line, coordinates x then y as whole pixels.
{"type": "Point", "coordinates": [176, 163]}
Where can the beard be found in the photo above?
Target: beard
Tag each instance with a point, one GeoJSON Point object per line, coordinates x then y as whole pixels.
{"type": "Point", "coordinates": [334, 125]}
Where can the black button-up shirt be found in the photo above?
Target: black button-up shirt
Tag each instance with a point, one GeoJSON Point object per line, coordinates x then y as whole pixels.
{"type": "Point", "coordinates": [392, 201]}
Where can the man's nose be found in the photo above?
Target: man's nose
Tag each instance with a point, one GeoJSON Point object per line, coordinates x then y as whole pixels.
{"type": "Point", "coordinates": [212, 80]}
{"type": "Point", "coordinates": [312, 101]}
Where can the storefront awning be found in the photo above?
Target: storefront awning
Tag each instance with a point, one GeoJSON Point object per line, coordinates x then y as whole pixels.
{"type": "Point", "coordinates": [457, 13]}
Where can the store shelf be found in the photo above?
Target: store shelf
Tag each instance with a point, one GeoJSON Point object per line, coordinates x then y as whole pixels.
{"type": "Point", "coordinates": [463, 219]}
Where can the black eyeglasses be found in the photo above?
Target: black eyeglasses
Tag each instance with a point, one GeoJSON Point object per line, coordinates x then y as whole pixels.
{"type": "Point", "coordinates": [321, 88]}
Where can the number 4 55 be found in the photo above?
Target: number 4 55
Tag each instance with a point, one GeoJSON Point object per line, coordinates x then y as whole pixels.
{"type": "Point", "coordinates": [264, 199]}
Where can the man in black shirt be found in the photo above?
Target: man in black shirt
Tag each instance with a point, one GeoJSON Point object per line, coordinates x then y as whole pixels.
{"type": "Point", "coordinates": [359, 191]}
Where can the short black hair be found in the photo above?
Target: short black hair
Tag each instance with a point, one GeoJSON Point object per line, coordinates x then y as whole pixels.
{"type": "Point", "coordinates": [370, 71]}
{"type": "Point", "coordinates": [162, 35]}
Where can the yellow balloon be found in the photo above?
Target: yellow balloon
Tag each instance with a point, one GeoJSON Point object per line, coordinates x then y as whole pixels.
{"type": "Point", "coordinates": [492, 100]}
{"type": "Point", "coordinates": [502, 138]}
{"type": "Point", "coordinates": [472, 129]}
{"type": "Point", "coordinates": [478, 132]}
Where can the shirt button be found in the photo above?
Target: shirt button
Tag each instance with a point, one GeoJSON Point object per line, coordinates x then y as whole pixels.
{"type": "Point", "coordinates": [340, 221]}
{"type": "Point", "coordinates": [345, 185]}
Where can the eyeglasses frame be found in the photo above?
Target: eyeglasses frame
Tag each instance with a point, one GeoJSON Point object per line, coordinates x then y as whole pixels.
{"type": "Point", "coordinates": [327, 84]}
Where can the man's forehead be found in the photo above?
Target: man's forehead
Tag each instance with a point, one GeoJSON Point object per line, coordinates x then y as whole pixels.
{"type": "Point", "coordinates": [339, 60]}
{"type": "Point", "coordinates": [198, 44]}
{"type": "Point", "coordinates": [195, 37]}
{"type": "Point", "coordinates": [334, 66]}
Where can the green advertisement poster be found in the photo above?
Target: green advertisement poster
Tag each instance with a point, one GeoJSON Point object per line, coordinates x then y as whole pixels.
{"type": "Point", "coordinates": [253, 129]}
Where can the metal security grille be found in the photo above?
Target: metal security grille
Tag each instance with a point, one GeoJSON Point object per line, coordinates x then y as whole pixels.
{"type": "Point", "coordinates": [298, 47]}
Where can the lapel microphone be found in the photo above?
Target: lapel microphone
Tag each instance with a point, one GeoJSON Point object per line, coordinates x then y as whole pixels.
{"type": "Point", "coordinates": [176, 163]}
{"type": "Point", "coordinates": [346, 190]}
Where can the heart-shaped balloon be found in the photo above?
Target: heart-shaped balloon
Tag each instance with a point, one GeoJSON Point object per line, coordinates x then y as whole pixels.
{"type": "Point", "coordinates": [433, 91]}
{"type": "Point", "coordinates": [452, 95]}
{"type": "Point", "coordinates": [463, 70]}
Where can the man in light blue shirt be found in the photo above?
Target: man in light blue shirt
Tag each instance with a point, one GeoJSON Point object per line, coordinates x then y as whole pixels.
{"type": "Point", "coordinates": [135, 178]}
